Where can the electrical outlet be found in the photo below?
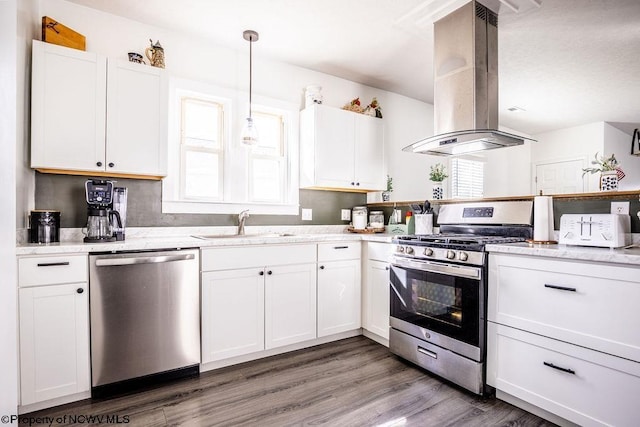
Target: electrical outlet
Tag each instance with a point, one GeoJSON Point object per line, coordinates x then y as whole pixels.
{"type": "Point", "coordinates": [620, 208]}
{"type": "Point", "coordinates": [345, 214]}
{"type": "Point", "coordinates": [307, 214]}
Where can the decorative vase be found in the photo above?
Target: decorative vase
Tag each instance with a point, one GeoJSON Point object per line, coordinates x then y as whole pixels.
{"type": "Point", "coordinates": [609, 181]}
{"type": "Point", "coordinates": [438, 191]}
{"type": "Point", "coordinates": [386, 195]}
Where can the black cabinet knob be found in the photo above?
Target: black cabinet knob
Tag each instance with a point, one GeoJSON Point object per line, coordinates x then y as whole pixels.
{"type": "Point", "coordinates": [269, 272]}
{"type": "Point", "coordinates": [357, 183]}
{"type": "Point", "coordinates": [79, 290]}
{"type": "Point", "coordinates": [99, 164]}
{"type": "Point", "coordinates": [386, 268]}
{"type": "Point", "coordinates": [322, 267]}
{"type": "Point", "coordinates": [111, 164]}
{"type": "Point", "coordinates": [353, 183]}
{"type": "Point", "coordinates": [261, 273]}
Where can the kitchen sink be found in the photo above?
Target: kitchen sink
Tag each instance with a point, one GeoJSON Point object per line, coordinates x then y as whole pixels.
{"type": "Point", "coordinates": [239, 236]}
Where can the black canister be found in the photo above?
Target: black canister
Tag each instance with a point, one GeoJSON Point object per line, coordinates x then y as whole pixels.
{"type": "Point", "coordinates": [44, 226]}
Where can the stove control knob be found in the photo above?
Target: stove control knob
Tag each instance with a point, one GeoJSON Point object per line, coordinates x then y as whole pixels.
{"type": "Point", "coordinates": [428, 252]}
{"type": "Point", "coordinates": [400, 249]}
{"type": "Point", "coordinates": [408, 250]}
{"type": "Point", "coordinates": [463, 256]}
{"type": "Point", "coordinates": [451, 255]}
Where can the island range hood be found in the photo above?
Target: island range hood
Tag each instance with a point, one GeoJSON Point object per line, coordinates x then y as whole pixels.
{"type": "Point", "coordinates": [466, 85]}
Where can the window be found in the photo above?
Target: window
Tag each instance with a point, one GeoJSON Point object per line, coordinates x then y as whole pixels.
{"type": "Point", "coordinates": [210, 171]}
{"type": "Point", "coordinates": [467, 178]}
{"type": "Point", "coordinates": [201, 149]}
{"type": "Point", "coordinates": [267, 159]}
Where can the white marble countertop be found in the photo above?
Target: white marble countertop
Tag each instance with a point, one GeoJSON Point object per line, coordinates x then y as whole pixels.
{"type": "Point", "coordinates": [184, 237]}
{"type": "Point", "coordinates": [580, 253]}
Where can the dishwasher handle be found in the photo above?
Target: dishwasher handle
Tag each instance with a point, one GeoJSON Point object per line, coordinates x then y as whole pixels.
{"type": "Point", "coordinates": [152, 259]}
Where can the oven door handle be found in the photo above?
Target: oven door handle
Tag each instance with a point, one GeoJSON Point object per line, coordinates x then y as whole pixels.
{"type": "Point", "coordinates": [437, 267]}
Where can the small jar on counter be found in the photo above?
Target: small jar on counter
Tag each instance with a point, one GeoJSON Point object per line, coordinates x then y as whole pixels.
{"type": "Point", "coordinates": [376, 219]}
{"type": "Point", "coordinates": [359, 217]}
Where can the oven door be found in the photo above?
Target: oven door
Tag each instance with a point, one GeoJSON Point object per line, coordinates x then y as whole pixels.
{"type": "Point", "coordinates": [440, 297]}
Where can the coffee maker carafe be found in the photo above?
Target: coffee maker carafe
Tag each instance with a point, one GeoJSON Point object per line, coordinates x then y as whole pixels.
{"type": "Point", "coordinates": [102, 220]}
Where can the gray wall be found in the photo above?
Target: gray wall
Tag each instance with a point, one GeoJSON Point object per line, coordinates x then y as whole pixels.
{"type": "Point", "coordinates": [66, 194]}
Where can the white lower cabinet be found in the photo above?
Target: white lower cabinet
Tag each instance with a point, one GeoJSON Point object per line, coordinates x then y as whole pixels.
{"type": "Point", "coordinates": [339, 287]}
{"type": "Point", "coordinates": [232, 313]}
{"type": "Point", "coordinates": [375, 286]}
{"type": "Point", "coordinates": [560, 337]}
{"type": "Point", "coordinates": [256, 298]}
{"type": "Point", "coordinates": [290, 304]}
{"type": "Point", "coordinates": [53, 329]}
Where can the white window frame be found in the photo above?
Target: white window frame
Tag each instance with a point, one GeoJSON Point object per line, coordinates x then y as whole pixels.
{"type": "Point", "coordinates": [236, 156]}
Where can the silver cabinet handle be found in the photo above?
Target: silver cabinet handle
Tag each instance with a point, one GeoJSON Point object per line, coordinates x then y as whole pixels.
{"type": "Point", "coordinates": [107, 262]}
{"type": "Point", "coordinates": [427, 352]}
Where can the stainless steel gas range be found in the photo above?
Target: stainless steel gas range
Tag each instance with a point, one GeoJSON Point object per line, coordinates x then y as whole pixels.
{"type": "Point", "coordinates": [439, 288]}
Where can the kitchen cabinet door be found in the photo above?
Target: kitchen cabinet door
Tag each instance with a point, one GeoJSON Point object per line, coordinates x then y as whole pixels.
{"type": "Point", "coordinates": [338, 297]}
{"type": "Point", "coordinates": [232, 313]}
{"type": "Point", "coordinates": [54, 342]}
{"type": "Point", "coordinates": [341, 149]}
{"type": "Point", "coordinates": [376, 298]}
{"type": "Point", "coordinates": [334, 151]}
{"type": "Point", "coordinates": [137, 100]}
{"type": "Point", "coordinates": [68, 107]}
{"type": "Point", "coordinates": [290, 304]}
{"type": "Point", "coordinates": [369, 153]}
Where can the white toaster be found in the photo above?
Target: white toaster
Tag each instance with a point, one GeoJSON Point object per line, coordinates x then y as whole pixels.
{"type": "Point", "coordinates": [605, 230]}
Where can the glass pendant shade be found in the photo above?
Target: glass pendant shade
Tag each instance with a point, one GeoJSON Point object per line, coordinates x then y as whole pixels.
{"type": "Point", "coordinates": [249, 135]}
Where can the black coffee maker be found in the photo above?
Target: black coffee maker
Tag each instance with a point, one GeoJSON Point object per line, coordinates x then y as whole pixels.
{"type": "Point", "coordinates": [104, 224]}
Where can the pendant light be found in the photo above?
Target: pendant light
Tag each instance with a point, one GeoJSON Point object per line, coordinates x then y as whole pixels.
{"type": "Point", "coordinates": [249, 135]}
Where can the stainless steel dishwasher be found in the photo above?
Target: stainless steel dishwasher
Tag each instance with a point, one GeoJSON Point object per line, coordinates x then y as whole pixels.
{"type": "Point", "coordinates": [145, 318]}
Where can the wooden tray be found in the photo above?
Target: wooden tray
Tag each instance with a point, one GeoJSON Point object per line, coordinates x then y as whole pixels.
{"type": "Point", "coordinates": [350, 229]}
{"type": "Point", "coordinates": [56, 33]}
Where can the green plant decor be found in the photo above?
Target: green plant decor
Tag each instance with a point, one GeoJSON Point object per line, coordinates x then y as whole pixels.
{"type": "Point", "coordinates": [602, 164]}
{"type": "Point", "coordinates": [438, 173]}
{"type": "Point", "coordinates": [389, 184]}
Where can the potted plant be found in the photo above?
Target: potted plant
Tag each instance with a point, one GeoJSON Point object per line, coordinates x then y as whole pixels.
{"type": "Point", "coordinates": [387, 194]}
{"type": "Point", "coordinates": [437, 174]}
{"type": "Point", "coordinates": [608, 168]}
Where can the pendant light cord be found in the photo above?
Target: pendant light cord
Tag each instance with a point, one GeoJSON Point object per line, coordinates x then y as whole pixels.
{"type": "Point", "coordinates": [250, 71]}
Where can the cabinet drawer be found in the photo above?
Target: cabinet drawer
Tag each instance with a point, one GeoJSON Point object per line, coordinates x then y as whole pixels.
{"type": "Point", "coordinates": [593, 305]}
{"type": "Point", "coordinates": [52, 270]}
{"type": "Point", "coordinates": [257, 256]}
{"type": "Point", "coordinates": [379, 251]}
{"type": "Point", "coordinates": [581, 385]}
{"type": "Point", "coordinates": [338, 251]}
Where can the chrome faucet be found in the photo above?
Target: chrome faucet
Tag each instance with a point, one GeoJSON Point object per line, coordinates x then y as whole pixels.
{"type": "Point", "coordinates": [242, 217]}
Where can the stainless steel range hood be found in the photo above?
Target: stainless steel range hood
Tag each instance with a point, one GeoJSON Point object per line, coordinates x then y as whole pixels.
{"type": "Point", "coordinates": [466, 85]}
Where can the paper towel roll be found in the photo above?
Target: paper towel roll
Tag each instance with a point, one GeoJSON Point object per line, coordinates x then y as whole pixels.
{"type": "Point", "coordinates": [543, 218]}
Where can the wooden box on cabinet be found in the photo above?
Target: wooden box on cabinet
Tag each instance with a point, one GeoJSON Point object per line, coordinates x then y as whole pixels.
{"type": "Point", "coordinates": [341, 149]}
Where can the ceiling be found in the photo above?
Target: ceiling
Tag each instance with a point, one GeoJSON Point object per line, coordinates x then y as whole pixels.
{"type": "Point", "coordinates": [567, 62]}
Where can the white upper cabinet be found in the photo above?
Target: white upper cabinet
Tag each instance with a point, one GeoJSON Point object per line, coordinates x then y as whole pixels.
{"type": "Point", "coordinates": [136, 119]}
{"type": "Point", "coordinates": [341, 149]}
{"type": "Point", "coordinates": [88, 116]}
{"type": "Point", "coordinates": [68, 108]}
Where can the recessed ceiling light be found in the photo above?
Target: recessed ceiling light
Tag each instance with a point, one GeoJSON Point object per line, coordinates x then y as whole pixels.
{"type": "Point", "coordinates": [516, 109]}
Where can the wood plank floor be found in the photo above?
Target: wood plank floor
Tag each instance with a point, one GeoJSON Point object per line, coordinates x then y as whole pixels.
{"type": "Point", "coordinates": [352, 382]}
